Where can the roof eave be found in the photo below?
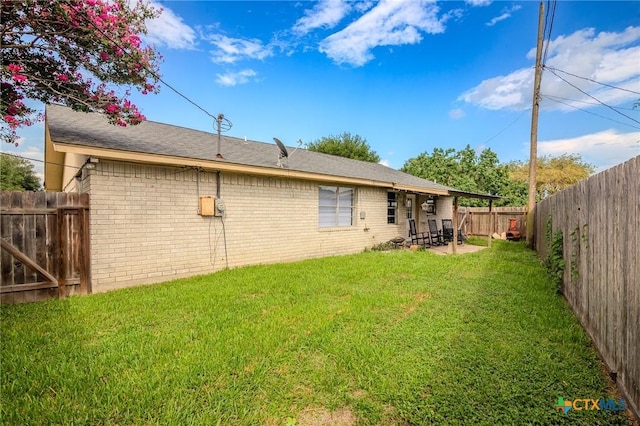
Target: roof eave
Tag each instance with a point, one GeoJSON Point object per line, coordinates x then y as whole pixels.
{"type": "Point", "coordinates": [168, 160]}
{"type": "Point", "coordinates": [465, 194]}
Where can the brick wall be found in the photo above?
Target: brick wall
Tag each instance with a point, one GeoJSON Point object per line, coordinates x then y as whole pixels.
{"type": "Point", "coordinates": [145, 226]}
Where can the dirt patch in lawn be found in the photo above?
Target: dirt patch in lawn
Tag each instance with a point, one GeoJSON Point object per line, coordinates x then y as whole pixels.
{"type": "Point", "coordinates": [419, 298]}
{"type": "Point", "coordinates": [323, 417]}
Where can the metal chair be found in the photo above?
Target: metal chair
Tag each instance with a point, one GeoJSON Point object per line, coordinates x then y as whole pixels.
{"type": "Point", "coordinates": [419, 238]}
{"type": "Point", "coordinates": [447, 231]}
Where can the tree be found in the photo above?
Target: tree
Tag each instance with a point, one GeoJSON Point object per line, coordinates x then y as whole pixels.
{"type": "Point", "coordinates": [345, 145]}
{"type": "Point", "coordinates": [464, 170]}
{"type": "Point", "coordinates": [74, 52]}
{"type": "Point", "coordinates": [17, 174]}
{"type": "Point", "coordinates": [553, 174]}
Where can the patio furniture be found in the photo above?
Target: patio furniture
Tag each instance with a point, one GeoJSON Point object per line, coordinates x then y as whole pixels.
{"type": "Point", "coordinates": [419, 238]}
{"type": "Point", "coordinates": [435, 234]}
{"type": "Point", "coordinates": [447, 231]}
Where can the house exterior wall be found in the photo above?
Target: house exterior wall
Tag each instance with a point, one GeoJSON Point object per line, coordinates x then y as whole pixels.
{"type": "Point", "coordinates": [444, 210]}
{"type": "Point", "coordinates": [145, 225]}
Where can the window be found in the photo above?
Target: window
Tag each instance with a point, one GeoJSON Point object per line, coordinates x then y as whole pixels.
{"type": "Point", "coordinates": [392, 206]}
{"type": "Point", "coordinates": [335, 206]}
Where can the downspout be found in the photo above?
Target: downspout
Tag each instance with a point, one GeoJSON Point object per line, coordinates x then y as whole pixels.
{"type": "Point", "coordinates": [218, 177]}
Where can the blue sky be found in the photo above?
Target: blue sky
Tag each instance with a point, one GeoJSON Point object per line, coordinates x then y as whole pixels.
{"type": "Point", "coordinates": [408, 76]}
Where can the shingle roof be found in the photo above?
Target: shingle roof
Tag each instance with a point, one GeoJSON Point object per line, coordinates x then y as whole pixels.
{"type": "Point", "coordinates": [92, 130]}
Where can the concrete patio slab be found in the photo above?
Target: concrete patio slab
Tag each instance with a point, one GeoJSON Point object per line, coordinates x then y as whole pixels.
{"type": "Point", "coordinates": [460, 249]}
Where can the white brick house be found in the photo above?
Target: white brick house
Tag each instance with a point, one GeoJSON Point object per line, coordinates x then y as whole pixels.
{"type": "Point", "coordinates": [152, 187]}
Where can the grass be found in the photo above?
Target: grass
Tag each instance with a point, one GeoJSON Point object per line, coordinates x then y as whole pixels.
{"type": "Point", "coordinates": [394, 337]}
{"type": "Point", "coordinates": [477, 241]}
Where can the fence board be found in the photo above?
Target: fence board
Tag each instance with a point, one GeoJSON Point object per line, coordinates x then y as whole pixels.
{"type": "Point", "coordinates": [49, 231]}
{"type": "Point", "coordinates": [600, 222]}
{"type": "Point", "coordinates": [480, 222]}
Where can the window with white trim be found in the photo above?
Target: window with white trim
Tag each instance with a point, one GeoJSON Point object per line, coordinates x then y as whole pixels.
{"type": "Point", "coordinates": [392, 207]}
{"type": "Point", "coordinates": [335, 206]}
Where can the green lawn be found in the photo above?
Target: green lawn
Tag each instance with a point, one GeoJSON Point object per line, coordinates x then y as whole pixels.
{"type": "Point", "coordinates": [396, 337]}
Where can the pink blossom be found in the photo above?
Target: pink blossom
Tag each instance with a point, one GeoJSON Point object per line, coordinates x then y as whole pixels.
{"type": "Point", "coordinates": [104, 56]}
{"type": "Point", "coordinates": [62, 77]}
{"type": "Point", "coordinates": [14, 68]}
{"type": "Point", "coordinates": [111, 108]}
{"type": "Point", "coordinates": [11, 121]}
{"type": "Point", "coordinates": [19, 77]}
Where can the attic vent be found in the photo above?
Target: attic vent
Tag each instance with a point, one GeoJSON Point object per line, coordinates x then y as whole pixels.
{"type": "Point", "coordinates": [222, 125]}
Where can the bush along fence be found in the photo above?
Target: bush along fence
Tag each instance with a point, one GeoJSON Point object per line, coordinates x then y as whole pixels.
{"type": "Point", "coordinates": [45, 245]}
{"type": "Point", "coordinates": [588, 237]}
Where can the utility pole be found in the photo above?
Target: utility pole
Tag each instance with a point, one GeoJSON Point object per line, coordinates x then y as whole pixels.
{"type": "Point", "coordinates": [533, 155]}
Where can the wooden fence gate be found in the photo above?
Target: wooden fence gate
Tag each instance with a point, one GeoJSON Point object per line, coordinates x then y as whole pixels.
{"type": "Point", "coordinates": [44, 240]}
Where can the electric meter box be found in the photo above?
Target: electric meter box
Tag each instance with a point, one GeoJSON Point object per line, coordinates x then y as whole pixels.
{"type": "Point", "coordinates": [206, 206]}
{"type": "Point", "coordinates": [219, 207]}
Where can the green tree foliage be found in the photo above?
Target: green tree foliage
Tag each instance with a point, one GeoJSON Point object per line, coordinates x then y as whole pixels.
{"type": "Point", "coordinates": [17, 174]}
{"type": "Point", "coordinates": [345, 145]}
{"type": "Point", "coordinates": [553, 174]}
{"type": "Point", "coordinates": [465, 170]}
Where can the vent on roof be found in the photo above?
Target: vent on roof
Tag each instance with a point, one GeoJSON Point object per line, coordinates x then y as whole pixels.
{"type": "Point", "coordinates": [222, 125]}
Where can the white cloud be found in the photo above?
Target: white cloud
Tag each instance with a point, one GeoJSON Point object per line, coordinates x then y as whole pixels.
{"type": "Point", "coordinates": [169, 30]}
{"type": "Point", "coordinates": [384, 163]}
{"type": "Point", "coordinates": [506, 91]}
{"type": "Point", "coordinates": [477, 3]}
{"type": "Point", "coordinates": [603, 149]}
{"type": "Point", "coordinates": [610, 58]}
{"type": "Point", "coordinates": [456, 113]}
{"type": "Point", "coordinates": [506, 14]}
{"type": "Point", "coordinates": [325, 14]}
{"type": "Point", "coordinates": [230, 50]}
{"type": "Point", "coordinates": [235, 78]}
{"type": "Point", "coordinates": [389, 23]}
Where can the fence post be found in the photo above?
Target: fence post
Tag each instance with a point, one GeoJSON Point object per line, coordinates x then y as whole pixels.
{"type": "Point", "coordinates": [490, 224]}
{"type": "Point", "coordinates": [60, 255]}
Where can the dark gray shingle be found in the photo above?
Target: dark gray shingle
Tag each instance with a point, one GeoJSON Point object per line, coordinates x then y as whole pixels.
{"type": "Point", "coordinates": [93, 130]}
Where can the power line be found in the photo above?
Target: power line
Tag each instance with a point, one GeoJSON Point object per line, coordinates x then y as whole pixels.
{"type": "Point", "coordinates": [42, 161]}
{"type": "Point", "coordinates": [593, 97]}
{"type": "Point", "coordinates": [505, 128]}
{"type": "Point", "coordinates": [593, 81]}
{"type": "Point", "coordinates": [589, 112]}
{"type": "Point", "coordinates": [582, 102]}
{"type": "Point", "coordinates": [146, 68]}
{"type": "Point", "coordinates": [550, 9]}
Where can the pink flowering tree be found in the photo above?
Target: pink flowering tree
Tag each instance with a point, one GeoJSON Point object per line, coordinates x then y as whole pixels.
{"type": "Point", "coordinates": [74, 52]}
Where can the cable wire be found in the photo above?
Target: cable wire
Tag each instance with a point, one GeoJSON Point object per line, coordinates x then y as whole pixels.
{"type": "Point", "coordinates": [505, 128]}
{"type": "Point", "coordinates": [593, 97]}
{"type": "Point", "coordinates": [548, 24]}
{"type": "Point", "coordinates": [593, 81]}
{"type": "Point", "coordinates": [582, 102]}
{"type": "Point", "coordinates": [146, 68]}
{"type": "Point", "coordinates": [592, 113]}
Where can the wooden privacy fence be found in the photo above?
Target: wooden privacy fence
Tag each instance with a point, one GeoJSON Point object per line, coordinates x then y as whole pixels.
{"type": "Point", "coordinates": [478, 220]}
{"type": "Point", "coordinates": [599, 222]}
{"type": "Point", "coordinates": [44, 245]}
